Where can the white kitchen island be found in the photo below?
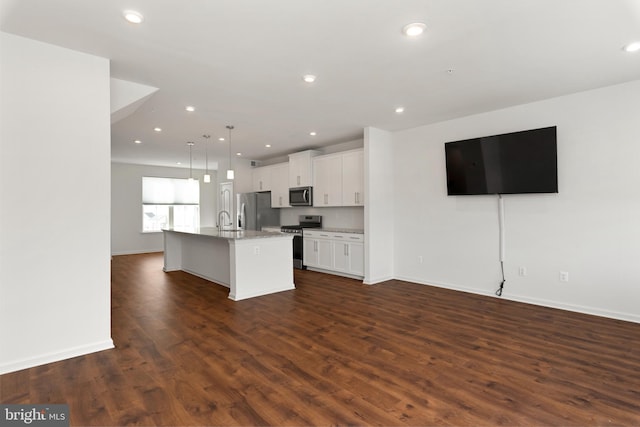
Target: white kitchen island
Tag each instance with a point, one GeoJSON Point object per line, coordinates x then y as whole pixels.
{"type": "Point", "coordinates": [250, 263]}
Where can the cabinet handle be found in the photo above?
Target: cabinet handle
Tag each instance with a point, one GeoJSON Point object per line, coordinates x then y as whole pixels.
{"type": "Point", "coordinates": [298, 178]}
{"type": "Point", "coordinates": [346, 250]}
{"type": "Point", "coordinates": [355, 198]}
{"type": "Point", "coordinates": [326, 199]}
{"type": "Point", "coordinates": [280, 200]}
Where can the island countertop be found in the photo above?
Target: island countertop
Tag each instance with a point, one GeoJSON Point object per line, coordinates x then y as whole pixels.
{"type": "Point", "coordinates": [225, 234]}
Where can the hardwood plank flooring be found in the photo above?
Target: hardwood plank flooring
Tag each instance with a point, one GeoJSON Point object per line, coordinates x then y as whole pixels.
{"type": "Point", "coordinates": [337, 352]}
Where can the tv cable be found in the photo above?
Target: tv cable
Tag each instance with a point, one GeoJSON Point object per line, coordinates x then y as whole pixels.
{"type": "Point", "coordinates": [502, 244]}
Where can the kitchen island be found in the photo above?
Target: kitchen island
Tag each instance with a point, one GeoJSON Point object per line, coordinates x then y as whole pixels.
{"type": "Point", "coordinates": [250, 263]}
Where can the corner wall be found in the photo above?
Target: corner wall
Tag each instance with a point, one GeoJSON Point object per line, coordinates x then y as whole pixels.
{"type": "Point", "coordinates": [55, 299]}
{"type": "Point", "coordinates": [589, 229]}
{"type": "Point", "coordinates": [379, 211]}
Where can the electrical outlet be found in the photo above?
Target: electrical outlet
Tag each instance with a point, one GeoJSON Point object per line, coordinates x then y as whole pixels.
{"type": "Point", "coordinates": [420, 259]}
{"type": "Point", "coordinates": [564, 276]}
{"type": "Point", "coordinates": [522, 271]}
{"type": "Point", "coordinates": [256, 250]}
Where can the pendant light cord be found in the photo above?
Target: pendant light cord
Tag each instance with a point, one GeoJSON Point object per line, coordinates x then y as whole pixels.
{"type": "Point", "coordinates": [206, 154]}
{"type": "Point", "coordinates": [230, 127]}
{"type": "Point", "coordinates": [190, 144]}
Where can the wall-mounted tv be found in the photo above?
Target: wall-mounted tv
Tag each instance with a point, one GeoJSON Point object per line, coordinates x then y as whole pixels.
{"type": "Point", "coordinates": [511, 163]}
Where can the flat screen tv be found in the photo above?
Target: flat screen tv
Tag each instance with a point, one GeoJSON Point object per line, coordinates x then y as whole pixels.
{"type": "Point", "coordinates": [511, 163]}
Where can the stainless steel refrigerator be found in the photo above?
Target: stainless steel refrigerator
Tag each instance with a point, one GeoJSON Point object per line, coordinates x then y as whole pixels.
{"type": "Point", "coordinates": [254, 211]}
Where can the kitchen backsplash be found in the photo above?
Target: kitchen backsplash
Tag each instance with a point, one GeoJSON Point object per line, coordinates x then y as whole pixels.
{"type": "Point", "coordinates": [339, 217]}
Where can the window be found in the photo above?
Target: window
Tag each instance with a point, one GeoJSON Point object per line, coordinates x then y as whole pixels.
{"type": "Point", "coordinates": [169, 202]}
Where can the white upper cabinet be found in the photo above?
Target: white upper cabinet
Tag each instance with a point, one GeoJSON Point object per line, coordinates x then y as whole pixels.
{"type": "Point", "coordinates": [353, 178]}
{"type": "Point", "coordinates": [280, 185]}
{"type": "Point", "coordinates": [301, 168]}
{"type": "Point", "coordinates": [262, 178]}
{"type": "Point", "coordinates": [338, 179]}
{"type": "Point", "coordinates": [327, 180]}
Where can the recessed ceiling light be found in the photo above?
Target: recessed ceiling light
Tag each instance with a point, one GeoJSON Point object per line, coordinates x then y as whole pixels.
{"type": "Point", "coordinates": [414, 29]}
{"type": "Point", "coordinates": [178, 163]}
{"type": "Point", "coordinates": [137, 141]}
{"type": "Point", "coordinates": [238, 154]}
{"type": "Point", "coordinates": [399, 110]}
{"type": "Point", "coordinates": [268, 145]}
{"type": "Point", "coordinates": [133, 16]}
{"type": "Point", "coordinates": [632, 47]}
{"type": "Point", "coordinates": [158, 129]}
{"type": "Point", "coordinates": [313, 133]}
{"type": "Point", "coordinates": [220, 139]}
{"type": "Point", "coordinates": [309, 78]}
{"type": "Point", "coordinates": [190, 108]}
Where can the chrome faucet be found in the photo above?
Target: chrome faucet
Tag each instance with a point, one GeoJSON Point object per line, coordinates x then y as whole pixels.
{"type": "Point", "coordinates": [220, 222]}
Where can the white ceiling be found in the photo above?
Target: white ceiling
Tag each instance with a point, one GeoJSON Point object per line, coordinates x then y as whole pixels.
{"type": "Point", "coordinates": [241, 62]}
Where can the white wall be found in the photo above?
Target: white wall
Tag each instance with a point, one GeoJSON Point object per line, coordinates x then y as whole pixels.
{"type": "Point", "coordinates": [54, 204]}
{"type": "Point", "coordinates": [589, 229]}
{"type": "Point", "coordinates": [126, 206]}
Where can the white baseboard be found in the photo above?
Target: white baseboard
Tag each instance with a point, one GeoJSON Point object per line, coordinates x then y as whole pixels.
{"type": "Point", "coordinates": [55, 357]}
{"type": "Point", "coordinates": [628, 317]}
{"type": "Point", "coordinates": [376, 280]}
{"type": "Point", "coordinates": [239, 297]}
{"type": "Point", "coordinates": [335, 273]}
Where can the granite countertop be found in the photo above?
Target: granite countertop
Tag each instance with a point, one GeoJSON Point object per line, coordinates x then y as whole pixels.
{"type": "Point", "coordinates": [228, 234]}
{"type": "Point", "coordinates": [341, 230]}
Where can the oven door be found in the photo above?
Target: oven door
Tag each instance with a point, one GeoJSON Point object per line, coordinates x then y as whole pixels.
{"type": "Point", "coordinates": [297, 252]}
{"type": "Point", "coordinates": [301, 196]}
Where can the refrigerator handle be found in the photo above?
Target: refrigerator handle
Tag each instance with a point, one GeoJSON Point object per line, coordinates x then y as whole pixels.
{"type": "Point", "coordinates": [241, 216]}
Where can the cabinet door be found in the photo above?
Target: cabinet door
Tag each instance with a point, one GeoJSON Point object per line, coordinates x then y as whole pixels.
{"type": "Point", "coordinates": [300, 168]}
{"type": "Point", "coordinates": [356, 258]}
{"type": "Point", "coordinates": [262, 178]}
{"type": "Point", "coordinates": [310, 252]}
{"type": "Point", "coordinates": [296, 170]}
{"type": "Point", "coordinates": [280, 185]}
{"type": "Point", "coordinates": [327, 180]}
{"type": "Point", "coordinates": [340, 256]}
{"type": "Point", "coordinates": [353, 178]}
{"type": "Point", "coordinates": [325, 254]}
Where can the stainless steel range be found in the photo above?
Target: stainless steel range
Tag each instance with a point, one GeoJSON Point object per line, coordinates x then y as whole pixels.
{"type": "Point", "coordinates": [305, 221]}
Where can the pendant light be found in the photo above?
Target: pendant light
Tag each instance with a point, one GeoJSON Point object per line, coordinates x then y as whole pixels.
{"type": "Point", "coordinates": [230, 174]}
{"type": "Point", "coordinates": [207, 177]}
{"type": "Point", "coordinates": [190, 144]}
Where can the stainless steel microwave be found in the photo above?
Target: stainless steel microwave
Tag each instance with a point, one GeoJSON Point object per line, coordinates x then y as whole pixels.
{"type": "Point", "coordinates": [301, 196]}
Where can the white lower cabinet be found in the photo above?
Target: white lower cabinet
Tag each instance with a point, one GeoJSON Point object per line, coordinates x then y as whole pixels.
{"type": "Point", "coordinates": [348, 257]}
{"type": "Point", "coordinates": [317, 250]}
{"type": "Point", "coordinates": [334, 251]}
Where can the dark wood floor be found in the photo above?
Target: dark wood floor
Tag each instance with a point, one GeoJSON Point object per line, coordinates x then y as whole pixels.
{"type": "Point", "coordinates": [336, 352]}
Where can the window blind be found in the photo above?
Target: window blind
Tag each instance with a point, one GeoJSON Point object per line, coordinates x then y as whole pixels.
{"type": "Point", "coordinates": [170, 191]}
